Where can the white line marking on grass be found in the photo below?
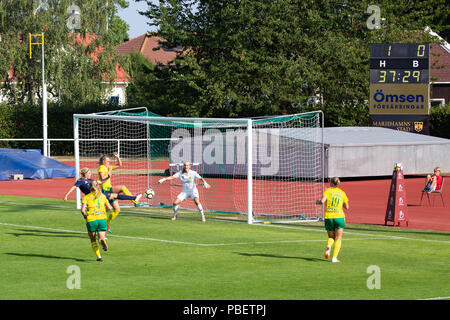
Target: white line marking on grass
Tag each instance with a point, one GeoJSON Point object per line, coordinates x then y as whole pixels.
{"type": "Point", "coordinates": [35, 227]}
{"type": "Point", "coordinates": [437, 298]}
{"type": "Point", "coordinates": [173, 241]}
{"type": "Point", "coordinates": [355, 233]}
{"type": "Point", "coordinates": [276, 242]}
{"type": "Point", "coordinates": [37, 204]}
{"type": "Point", "coordinates": [185, 242]}
{"type": "Point", "coordinates": [375, 236]}
{"type": "Point", "coordinates": [109, 235]}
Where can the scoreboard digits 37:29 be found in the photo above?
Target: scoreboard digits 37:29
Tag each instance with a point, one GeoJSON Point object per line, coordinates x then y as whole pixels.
{"type": "Point", "coordinates": [399, 86]}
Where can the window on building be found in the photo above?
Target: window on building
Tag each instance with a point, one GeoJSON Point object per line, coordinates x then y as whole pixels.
{"type": "Point", "coordinates": [114, 99]}
{"type": "Point", "coordinates": [437, 102]}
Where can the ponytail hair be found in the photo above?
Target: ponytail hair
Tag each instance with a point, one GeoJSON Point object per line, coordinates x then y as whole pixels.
{"type": "Point", "coordinates": [84, 171]}
{"type": "Point", "coordinates": [335, 181]}
{"type": "Point", "coordinates": [93, 185]}
{"type": "Point", "coordinates": [102, 158]}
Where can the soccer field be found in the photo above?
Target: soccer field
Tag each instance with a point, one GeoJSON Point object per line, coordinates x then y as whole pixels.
{"type": "Point", "coordinates": [151, 257]}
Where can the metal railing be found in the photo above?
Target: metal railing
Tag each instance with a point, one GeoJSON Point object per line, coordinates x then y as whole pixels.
{"type": "Point", "coordinates": [48, 146]}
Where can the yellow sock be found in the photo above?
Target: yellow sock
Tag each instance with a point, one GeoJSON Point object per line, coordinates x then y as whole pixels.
{"type": "Point", "coordinates": [112, 216]}
{"type": "Point", "coordinates": [337, 247]}
{"type": "Point", "coordinates": [95, 248]}
{"type": "Point", "coordinates": [330, 242]}
{"type": "Point", "coordinates": [127, 193]}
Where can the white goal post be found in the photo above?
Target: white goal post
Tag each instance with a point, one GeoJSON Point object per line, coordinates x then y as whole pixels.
{"type": "Point", "coordinates": [269, 168]}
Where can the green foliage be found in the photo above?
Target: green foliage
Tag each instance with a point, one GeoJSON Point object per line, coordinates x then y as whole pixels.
{"type": "Point", "coordinates": [25, 121]}
{"type": "Point", "coordinates": [119, 28]}
{"type": "Point", "coordinates": [74, 70]}
{"type": "Point", "coordinates": [6, 121]}
{"type": "Point", "coordinates": [156, 89]}
{"type": "Point", "coordinates": [440, 121]}
{"type": "Point", "coordinates": [152, 258]}
{"type": "Point", "coordinates": [116, 25]}
{"type": "Point", "coordinates": [250, 58]}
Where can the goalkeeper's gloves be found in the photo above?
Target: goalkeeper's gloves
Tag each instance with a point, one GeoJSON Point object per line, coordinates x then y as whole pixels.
{"type": "Point", "coordinates": [162, 180]}
{"type": "Point", "coordinates": [206, 185]}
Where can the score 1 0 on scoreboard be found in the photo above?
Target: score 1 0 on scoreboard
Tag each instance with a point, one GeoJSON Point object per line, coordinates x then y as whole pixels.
{"type": "Point", "coordinates": [400, 86]}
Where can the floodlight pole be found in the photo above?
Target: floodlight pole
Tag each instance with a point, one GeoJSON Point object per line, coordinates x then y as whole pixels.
{"type": "Point", "coordinates": [44, 93]}
{"type": "Point", "coordinates": [44, 105]}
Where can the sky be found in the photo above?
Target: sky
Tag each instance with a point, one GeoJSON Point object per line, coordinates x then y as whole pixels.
{"type": "Point", "coordinates": [137, 22]}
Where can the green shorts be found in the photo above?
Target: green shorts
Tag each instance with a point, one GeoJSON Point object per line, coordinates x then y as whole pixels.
{"type": "Point", "coordinates": [334, 224]}
{"type": "Point", "coordinates": [97, 225]}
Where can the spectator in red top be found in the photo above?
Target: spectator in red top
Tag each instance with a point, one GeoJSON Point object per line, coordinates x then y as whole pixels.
{"type": "Point", "coordinates": [433, 182]}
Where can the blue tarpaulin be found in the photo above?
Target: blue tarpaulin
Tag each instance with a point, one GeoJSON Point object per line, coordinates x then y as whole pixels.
{"type": "Point", "coordinates": [32, 165]}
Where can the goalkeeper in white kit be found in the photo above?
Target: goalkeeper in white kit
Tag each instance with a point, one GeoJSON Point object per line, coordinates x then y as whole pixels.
{"type": "Point", "coordinates": [189, 188]}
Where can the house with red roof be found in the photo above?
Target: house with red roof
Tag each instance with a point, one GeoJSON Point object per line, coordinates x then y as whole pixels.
{"type": "Point", "coordinates": [117, 93]}
{"type": "Point", "coordinates": [150, 47]}
{"type": "Point", "coordinates": [440, 74]}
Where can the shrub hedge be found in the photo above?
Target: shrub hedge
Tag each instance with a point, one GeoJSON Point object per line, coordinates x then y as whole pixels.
{"type": "Point", "coordinates": [25, 121]}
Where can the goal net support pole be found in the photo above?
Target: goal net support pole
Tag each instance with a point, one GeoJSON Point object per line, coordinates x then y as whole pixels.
{"type": "Point", "coordinates": [76, 148]}
{"type": "Point", "coordinates": [249, 172]}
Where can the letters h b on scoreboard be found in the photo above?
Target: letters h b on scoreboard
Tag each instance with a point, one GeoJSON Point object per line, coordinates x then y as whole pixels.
{"type": "Point", "coordinates": [399, 86]}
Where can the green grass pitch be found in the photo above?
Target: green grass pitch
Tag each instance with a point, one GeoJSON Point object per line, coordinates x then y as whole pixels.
{"type": "Point", "coordinates": [151, 257]}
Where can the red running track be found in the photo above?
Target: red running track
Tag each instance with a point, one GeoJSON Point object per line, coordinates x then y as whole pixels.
{"type": "Point", "coordinates": [367, 200]}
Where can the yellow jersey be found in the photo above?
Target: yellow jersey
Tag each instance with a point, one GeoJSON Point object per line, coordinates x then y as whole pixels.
{"type": "Point", "coordinates": [104, 169]}
{"type": "Point", "coordinates": [335, 200]}
{"type": "Point", "coordinates": [96, 206]}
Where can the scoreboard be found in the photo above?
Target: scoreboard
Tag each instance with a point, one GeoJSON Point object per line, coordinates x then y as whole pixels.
{"type": "Point", "coordinates": [400, 86]}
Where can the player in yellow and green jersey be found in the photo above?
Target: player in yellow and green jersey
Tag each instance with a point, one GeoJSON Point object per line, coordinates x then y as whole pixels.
{"type": "Point", "coordinates": [104, 175]}
{"type": "Point", "coordinates": [335, 200]}
{"type": "Point", "coordinates": [93, 208]}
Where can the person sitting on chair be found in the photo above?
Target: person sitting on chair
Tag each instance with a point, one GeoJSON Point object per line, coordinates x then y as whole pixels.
{"type": "Point", "coordinates": [433, 182]}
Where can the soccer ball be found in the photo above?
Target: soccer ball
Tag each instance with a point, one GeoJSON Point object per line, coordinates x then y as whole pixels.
{"type": "Point", "coordinates": [149, 193]}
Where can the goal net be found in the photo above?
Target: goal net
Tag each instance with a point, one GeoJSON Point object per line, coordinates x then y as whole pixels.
{"type": "Point", "coordinates": [278, 181]}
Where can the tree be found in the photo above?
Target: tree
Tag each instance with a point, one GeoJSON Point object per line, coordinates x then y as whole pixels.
{"type": "Point", "coordinates": [249, 58]}
{"type": "Point", "coordinates": [156, 89]}
{"type": "Point", "coordinates": [116, 25]}
{"type": "Point", "coordinates": [79, 50]}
